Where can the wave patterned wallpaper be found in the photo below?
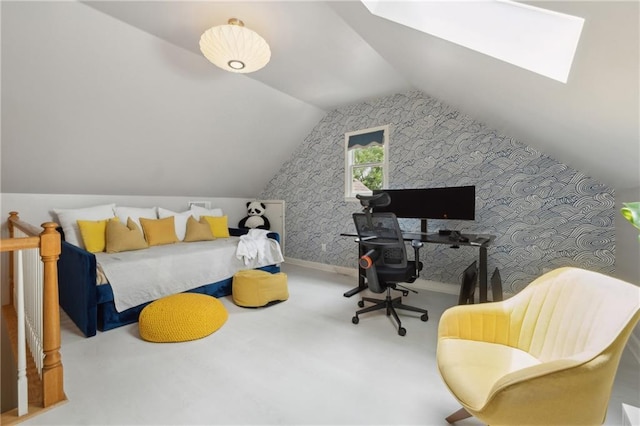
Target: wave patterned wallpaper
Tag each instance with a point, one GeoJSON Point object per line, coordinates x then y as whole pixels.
{"type": "Point", "coordinates": [543, 213]}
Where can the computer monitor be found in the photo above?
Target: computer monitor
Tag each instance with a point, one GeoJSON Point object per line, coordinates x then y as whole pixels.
{"type": "Point", "coordinates": [452, 203]}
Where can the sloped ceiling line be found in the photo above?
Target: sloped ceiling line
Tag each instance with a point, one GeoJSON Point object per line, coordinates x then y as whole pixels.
{"type": "Point", "coordinates": [332, 54]}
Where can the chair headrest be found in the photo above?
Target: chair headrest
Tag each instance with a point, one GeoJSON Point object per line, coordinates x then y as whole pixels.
{"type": "Point", "coordinates": [378, 200]}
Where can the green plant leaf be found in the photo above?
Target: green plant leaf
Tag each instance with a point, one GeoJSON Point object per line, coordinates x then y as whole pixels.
{"type": "Point", "coordinates": [631, 212]}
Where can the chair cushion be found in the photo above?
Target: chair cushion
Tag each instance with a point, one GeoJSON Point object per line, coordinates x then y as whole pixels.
{"type": "Point", "coordinates": [398, 275]}
{"type": "Point", "coordinates": [181, 317]}
{"type": "Point", "coordinates": [472, 367]}
{"type": "Point", "coordinates": [255, 288]}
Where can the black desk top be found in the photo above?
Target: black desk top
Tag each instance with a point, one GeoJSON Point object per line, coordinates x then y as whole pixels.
{"type": "Point", "coordinates": [477, 240]}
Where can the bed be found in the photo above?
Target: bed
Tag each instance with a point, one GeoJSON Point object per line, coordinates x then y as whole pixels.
{"type": "Point", "coordinates": [91, 307]}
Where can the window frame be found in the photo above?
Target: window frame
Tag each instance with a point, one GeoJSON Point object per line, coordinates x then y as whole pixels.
{"type": "Point", "coordinates": [349, 194]}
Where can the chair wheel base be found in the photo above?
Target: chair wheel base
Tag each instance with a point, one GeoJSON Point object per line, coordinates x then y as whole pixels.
{"type": "Point", "coordinates": [389, 305]}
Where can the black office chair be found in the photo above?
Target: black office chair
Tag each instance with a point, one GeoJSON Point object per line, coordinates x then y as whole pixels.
{"type": "Point", "coordinates": [383, 259]}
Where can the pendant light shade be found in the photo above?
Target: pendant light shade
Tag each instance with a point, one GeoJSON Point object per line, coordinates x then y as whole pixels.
{"type": "Point", "coordinates": [235, 48]}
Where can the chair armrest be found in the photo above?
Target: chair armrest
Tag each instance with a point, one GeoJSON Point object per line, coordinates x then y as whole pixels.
{"type": "Point", "coordinates": [536, 371]}
{"type": "Point", "coordinates": [486, 322]}
{"type": "Point", "coordinates": [417, 245]}
{"type": "Point", "coordinates": [564, 391]}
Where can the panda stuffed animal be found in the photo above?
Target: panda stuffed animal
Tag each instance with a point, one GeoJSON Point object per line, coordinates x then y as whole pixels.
{"type": "Point", "coordinates": [255, 216]}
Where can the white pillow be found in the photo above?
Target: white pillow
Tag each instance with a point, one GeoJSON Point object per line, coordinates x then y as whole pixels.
{"type": "Point", "coordinates": [68, 219]}
{"type": "Point", "coordinates": [135, 213]}
{"type": "Point", "coordinates": [179, 220]}
{"type": "Point", "coordinates": [198, 211]}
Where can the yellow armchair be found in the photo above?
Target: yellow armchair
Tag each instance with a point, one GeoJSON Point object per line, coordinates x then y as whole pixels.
{"type": "Point", "coordinates": [546, 356]}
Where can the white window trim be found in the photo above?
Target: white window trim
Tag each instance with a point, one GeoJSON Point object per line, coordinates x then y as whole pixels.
{"type": "Point", "coordinates": [348, 194]}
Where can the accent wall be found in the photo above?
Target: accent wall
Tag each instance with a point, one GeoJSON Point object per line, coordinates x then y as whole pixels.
{"type": "Point", "coordinates": [543, 213]}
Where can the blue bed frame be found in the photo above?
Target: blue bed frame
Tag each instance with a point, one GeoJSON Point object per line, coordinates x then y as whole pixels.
{"type": "Point", "coordinates": [91, 306]}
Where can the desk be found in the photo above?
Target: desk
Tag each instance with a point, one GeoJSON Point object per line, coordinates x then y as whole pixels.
{"type": "Point", "coordinates": [475, 240]}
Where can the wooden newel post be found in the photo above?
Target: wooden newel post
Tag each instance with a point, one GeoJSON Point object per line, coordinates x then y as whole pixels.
{"type": "Point", "coordinates": [52, 377]}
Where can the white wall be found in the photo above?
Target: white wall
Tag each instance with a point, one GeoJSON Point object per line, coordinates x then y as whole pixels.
{"type": "Point", "coordinates": [93, 105]}
{"type": "Point", "coordinates": [627, 242]}
{"type": "Point", "coordinates": [628, 255]}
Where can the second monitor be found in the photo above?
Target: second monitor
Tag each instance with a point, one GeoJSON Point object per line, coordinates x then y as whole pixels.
{"type": "Point", "coordinates": [453, 203]}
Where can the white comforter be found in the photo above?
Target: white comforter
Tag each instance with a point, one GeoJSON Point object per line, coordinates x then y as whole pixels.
{"type": "Point", "coordinates": [141, 276]}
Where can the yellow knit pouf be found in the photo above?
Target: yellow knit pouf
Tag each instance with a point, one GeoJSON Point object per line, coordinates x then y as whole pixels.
{"type": "Point", "coordinates": [181, 317]}
{"type": "Point", "coordinates": [254, 288]}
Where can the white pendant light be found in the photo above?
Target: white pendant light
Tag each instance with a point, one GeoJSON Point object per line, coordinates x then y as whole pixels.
{"type": "Point", "coordinates": [235, 48]}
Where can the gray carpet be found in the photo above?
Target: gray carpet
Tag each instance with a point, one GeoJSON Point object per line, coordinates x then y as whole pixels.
{"type": "Point", "coordinates": [295, 363]}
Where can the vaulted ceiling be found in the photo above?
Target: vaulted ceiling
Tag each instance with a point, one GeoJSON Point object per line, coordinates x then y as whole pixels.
{"type": "Point", "coordinates": [330, 54]}
{"type": "Point", "coordinates": [324, 55]}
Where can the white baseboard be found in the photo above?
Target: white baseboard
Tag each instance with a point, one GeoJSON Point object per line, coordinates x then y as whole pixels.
{"type": "Point", "coordinates": [419, 284]}
{"type": "Point", "coordinates": [322, 266]}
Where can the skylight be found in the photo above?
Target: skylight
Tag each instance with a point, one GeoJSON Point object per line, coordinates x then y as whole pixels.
{"type": "Point", "coordinates": [532, 38]}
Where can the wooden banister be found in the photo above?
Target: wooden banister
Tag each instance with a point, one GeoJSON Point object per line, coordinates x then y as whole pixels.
{"type": "Point", "coordinates": [48, 240]}
{"type": "Point", "coordinates": [27, 228]}
{"type": "Point", "coordinates": [14, 244]}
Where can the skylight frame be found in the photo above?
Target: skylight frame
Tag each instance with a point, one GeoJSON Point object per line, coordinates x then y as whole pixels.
{"type": "Point", "coordinates": [536, 39]}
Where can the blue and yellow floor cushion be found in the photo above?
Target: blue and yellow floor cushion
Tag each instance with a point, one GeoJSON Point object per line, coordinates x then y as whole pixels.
{"type": "Point", "coordinates": [181, 317]}
{"type": "Point", "coordinates": [254, 288]}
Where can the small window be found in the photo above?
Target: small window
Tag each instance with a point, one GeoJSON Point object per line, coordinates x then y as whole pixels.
{"type": "Point", "coordinates": [366, 161]}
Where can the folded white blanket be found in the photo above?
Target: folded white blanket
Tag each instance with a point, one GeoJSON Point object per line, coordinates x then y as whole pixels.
{"type": "Point", "coordinates": [255, 245]}
{"type": "Point", "coordinates": [141, 276]}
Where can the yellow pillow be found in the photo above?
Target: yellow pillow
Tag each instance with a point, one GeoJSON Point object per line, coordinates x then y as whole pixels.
{"type": "Point", "coordinates": [159, 231]}
{"type": "Point", "coordinates": [219, 226]}
{"type": "Point", "coordinates": [198, 231]}
{"type": "Point", "coordinates": [93, 234]}
{"type": "Point", "coordinates": [124, 238]}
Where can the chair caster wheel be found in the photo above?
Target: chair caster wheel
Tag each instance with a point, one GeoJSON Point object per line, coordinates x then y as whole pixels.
{"type": "Point", "coordinates": [425, 317]}
{"type": "Point", "coordinates": [361, 303]}
{"type": "Point", "coordinates": [402, 331]}
{"type": "Point", "coordinates": [355, 320]}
